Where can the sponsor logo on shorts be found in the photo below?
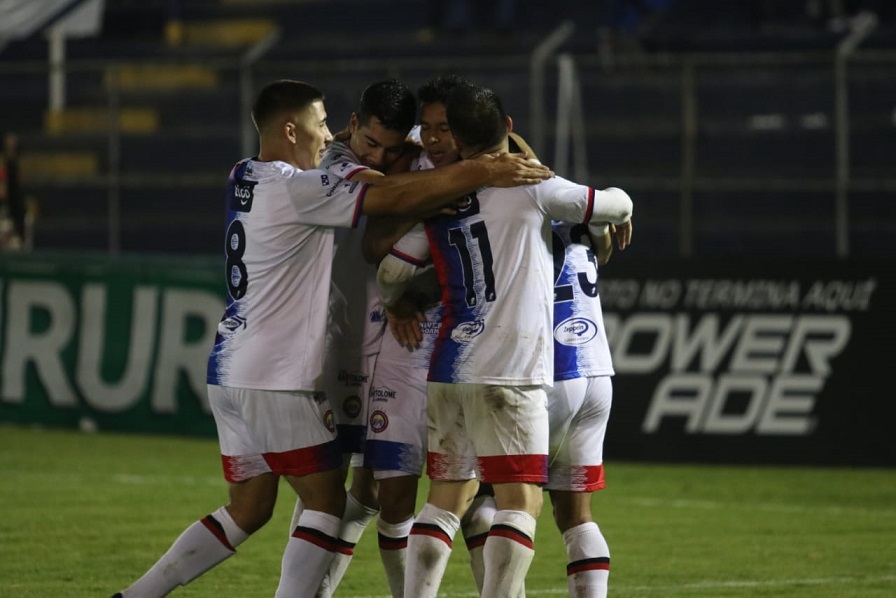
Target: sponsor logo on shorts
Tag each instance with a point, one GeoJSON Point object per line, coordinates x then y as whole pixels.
{"type": "Point", "coordinates": [575, 331]}
{"type": "Point", "coordinates": [382, 393]}
{"type": "Point", "coordinates": [378, 421]}
{"type": "Point", "coordinates": [351, 406]}
{"type": "Point", "coordinates": [467, 331]}
{"type": "Point", "coordinates": [352, 378]}
{"type": "Point", "coordinates": [328, 420]}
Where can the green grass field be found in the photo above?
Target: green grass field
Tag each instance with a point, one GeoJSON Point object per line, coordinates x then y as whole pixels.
{"type": "Point", "coordinates": [84, 514]}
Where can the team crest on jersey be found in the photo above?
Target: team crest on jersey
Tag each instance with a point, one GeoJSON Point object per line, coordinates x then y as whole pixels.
{"type": "Point", "coordinates": [378, 421]}
{"type": "Point", "coordinates": [351, 406]}
{"type": "Point", "coordinates": [377, 316]}
{"type": "Point", "coordinates": [381, 393]}
{"type": "Point", "coordinates": [243, 194]}
{"type": "Point", "coordinates": [467, 331]}
{"type": "Point", "coordinates": [328, 420]}
{"type": "Point", "coordinates": [575, 331]}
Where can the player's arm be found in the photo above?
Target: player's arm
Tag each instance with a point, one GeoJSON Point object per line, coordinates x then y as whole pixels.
{"type": "Point", "coordinates": [425, 191]}
{"type": "Point", "coordinates": [392, 277]}
{"type": "Point", "coordinates": [381, 233]}
{"type": "Point", "coordinates": [603, 246]}
{"type": "Point", "coordinates": [612, 206]}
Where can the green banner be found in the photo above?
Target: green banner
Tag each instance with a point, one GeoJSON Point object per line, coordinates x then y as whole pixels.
{"type": "Point", "coordinates": [108, 343]}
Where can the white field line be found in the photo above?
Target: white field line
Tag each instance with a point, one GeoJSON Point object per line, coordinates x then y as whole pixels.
{"type": "Point", "coordinates": [701, 585]}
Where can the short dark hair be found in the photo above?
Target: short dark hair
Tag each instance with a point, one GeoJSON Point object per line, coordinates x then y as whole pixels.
{"type": "Point", "coordinates": [391, 102]}
{"type": "Point", "coordinates": [284, 95]}
{"type": "Point", "coordinates": [476, 117]}
{"type": "Point", "coordinates": [438, 89]}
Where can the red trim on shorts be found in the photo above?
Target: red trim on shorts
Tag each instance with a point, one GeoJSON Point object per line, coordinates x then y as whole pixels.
{"type": "Point", "coordinates": [597, 564]}
{"type": "Point", "coordinates": [511, 533]}
{"type": "Point", "coordinates": [594, 478]}
{"type": "Point", "coordinates": [303, 461]}
{"type": "Point", "coordinates": [431, 530]}
{"type": "Point", "coordinates": [217, 531]}
{"type": "Point", "coordinates": [297, 462]}
{"type": "Point", "coordinates": [316, 537]}
{"type": "Point", "coordinates": [498, 469]}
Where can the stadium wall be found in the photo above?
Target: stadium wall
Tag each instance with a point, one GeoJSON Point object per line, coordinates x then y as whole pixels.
{"type": "Point", "coordinates": [774, 362]}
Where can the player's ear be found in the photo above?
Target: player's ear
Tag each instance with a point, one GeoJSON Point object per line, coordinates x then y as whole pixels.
{"type": "Point", "coordinates": [289, 130]}
{"type": "Point", "coordinates": [353, 123]}
{"type": "Point", "coordinates": [509, 122]}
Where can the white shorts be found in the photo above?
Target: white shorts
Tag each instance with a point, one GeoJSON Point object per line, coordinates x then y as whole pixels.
{"type": "Point", "coordinates": [496, 433]}
{"type": "Point", "coordinates": [579, 410]}
{"type": "Point", "coordinates": [347, 383]}
{"type": "Point", "coordinates": [267, 431]}
{"type": "Point", "coordinates": [396, 426]}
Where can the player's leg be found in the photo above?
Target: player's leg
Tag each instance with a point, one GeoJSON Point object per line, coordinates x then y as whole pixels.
{"type": "Point", "coordinates": [298, 442]}
{"type": "Point", "coordinates": [215, 537]}
{"type": "Point", "coordinates": [510, 428]}
{"type": "Point", "coordinates": [395, 450]}
{"type": "Point", "coordinates": [452, 470]}
{"type": "Point", "coordinates": [358, 514]}
{"type": "Point", "coordinates": [398, 500]}
{"type": "Point", "coordinates": [475, 525]}
{"type": "Point", "coordinates": [579, 411]}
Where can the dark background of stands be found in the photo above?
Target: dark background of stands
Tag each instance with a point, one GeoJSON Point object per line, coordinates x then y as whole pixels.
{"type": "Point", "coordinates": [765, 157]}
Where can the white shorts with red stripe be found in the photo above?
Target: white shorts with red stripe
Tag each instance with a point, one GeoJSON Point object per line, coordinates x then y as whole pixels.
{"type": "Point", "coordinates": [496, 433]}
{"type": "Point", "coordinates": [579, 410]}
{"type": "Point", "coordinates": [280, 432]}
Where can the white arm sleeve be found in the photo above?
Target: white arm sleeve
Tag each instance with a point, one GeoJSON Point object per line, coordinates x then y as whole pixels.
{"type": "Point", "coordinates": [392, 278]}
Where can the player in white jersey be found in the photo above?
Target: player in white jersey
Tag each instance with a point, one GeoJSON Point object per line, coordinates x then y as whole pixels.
{"type": "Point", "coordinates": [265, 369]}
{"type": "Point", "coordinates": [493, 358]}
{"type": "Point", "coordinates": [396, 439]}
{"type": "Point", "coordinates": [579, 403]}
{"type": "Point", "coordinates": [374, 141]}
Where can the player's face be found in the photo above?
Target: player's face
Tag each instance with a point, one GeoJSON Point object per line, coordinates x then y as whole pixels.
{"type": "Point", "coordinates": [312, 135]}
{"type": "Point", "coordinates": [436, 134]}
{"type": "Point", "coordinates": [376, 146]}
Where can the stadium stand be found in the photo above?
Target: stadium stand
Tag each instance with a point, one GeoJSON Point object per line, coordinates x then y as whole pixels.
{"type": "Point", "coordinates": [154, 109]}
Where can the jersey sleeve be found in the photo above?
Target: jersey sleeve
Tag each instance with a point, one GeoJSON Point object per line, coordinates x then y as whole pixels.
{"type": "Point", "coordinates": [341, 161]}
{"type": "Point", "coordinates": [326, 200]}
{"type": "Point", "coordinates": [571, 202]}
{"type": "Point", "coordinates": [413, 247]}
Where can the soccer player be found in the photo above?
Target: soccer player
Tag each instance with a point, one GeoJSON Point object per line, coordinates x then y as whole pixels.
{"type": "Point", "coordinates": [373, 143]}
{"type": "Point", "coordinates": [396, 437]}
{"type": "Point", "coordinates": [579, 402]}
{"type": "Point", "coordinates": [492, 361]}
{"type": "Point", "coordinates": [265, 368]}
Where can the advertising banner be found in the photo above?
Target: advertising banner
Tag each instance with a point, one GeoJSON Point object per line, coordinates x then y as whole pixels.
{"type": "Point", "coordinates": [741, 361]}
{"type": "Point", "coordinates": [110, 344]}
{"type": "Point", "coordinates": [735, 361]}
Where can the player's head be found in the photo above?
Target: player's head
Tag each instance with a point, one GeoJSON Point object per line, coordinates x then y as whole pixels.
{"type": "Point", "coordinates": [434, 130]}
{"type": "Point", "coordinates": [381, 124]}
{"type": "Point", "coordinates": [477, 119]}
{"type": "Point", "coordinates": [292, 123]}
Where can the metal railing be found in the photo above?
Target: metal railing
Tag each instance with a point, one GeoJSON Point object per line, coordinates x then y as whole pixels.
{"type": "Point", "coordinates": [575, 123]}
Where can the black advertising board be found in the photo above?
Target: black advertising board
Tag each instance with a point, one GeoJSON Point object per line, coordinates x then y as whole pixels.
{"type": "Point", "coordinates": [739, 361]}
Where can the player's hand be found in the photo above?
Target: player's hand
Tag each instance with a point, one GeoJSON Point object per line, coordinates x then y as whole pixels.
{"type": "Point", "coordinates": [512, 170]}
{"type": "Point", "coordinates": [623, 233]}
{"type": "Point", "coordinates": [404, 323]}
